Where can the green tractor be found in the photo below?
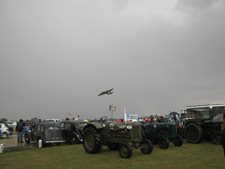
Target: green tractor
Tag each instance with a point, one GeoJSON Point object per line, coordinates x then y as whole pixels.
{"type": "Point", "coordinates": [116, 136]}
{"type": "Point", "coordinates": [163, 133]}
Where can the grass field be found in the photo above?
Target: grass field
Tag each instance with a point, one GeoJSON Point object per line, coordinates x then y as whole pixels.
{"type": "Point", "coordinates": [189, 156]}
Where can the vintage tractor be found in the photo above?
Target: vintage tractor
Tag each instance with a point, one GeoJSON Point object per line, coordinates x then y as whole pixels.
{"type": "Point", "coordinates": [117, 136]}
{"type": "Point", "coordinates": [203, 122]}
{"type": "Point", "coordinates": [163, 133]}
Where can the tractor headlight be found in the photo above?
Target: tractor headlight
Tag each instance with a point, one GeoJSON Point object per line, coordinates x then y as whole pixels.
{"type": "Point", "coordinates": [129, 127]}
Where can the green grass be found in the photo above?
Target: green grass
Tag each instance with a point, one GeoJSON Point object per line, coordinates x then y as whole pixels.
{"type": "Point", "coordinates": [189, 156]}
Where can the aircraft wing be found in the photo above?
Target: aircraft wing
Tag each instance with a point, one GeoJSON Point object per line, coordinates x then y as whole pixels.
{"type": "Point", "coordinates": [108, 92]}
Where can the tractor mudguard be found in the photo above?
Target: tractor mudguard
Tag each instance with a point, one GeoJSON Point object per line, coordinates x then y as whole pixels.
{"type": "Point", "coordinates": [97, 125]}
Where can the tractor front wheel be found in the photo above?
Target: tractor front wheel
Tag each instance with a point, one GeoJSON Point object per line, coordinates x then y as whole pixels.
{"type": "Point", "coordinates": [163, 143]}
{"type": "Point", "coordinates": [178, 141]}
{"type": "Point", "coordinates": [146, 147]}
{"type": "Point", "coordinates": [125, 151]}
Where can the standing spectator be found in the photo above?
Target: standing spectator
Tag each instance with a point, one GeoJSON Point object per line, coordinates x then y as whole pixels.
{"type": "Point", "coordinates": [19, 130]}
{"type": "Point", "coordinates": [223, 132]}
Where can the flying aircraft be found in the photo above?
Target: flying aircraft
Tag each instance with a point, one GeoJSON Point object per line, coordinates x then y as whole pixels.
{"type": "Point", "coordinates": [108, 92]}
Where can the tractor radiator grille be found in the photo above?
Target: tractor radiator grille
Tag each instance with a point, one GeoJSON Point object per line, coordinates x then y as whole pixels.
{"type": "Point", "coordinates": [136, 132]}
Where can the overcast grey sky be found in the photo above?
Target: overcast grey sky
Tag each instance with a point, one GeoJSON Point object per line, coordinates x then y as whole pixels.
{"type": "Point", "coordinates": [158, 55]}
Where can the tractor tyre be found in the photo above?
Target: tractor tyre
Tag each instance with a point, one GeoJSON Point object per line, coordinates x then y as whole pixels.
{"type": "Point", "coordinates": [146, 146]}
{"type": "Point", "coordinates": [125, 150]}
{"type": "Point", "coordinates": [92, 140]}
{"type": "Point", "coordinates": [193, 133]}
{"type": "Point", "coordinates": [163, 143]}
{"type": "Point", "coordinates": [178, 141]}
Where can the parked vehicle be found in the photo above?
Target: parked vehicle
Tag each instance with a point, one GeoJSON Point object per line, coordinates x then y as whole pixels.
{"type": "Point", "coordinates": [48, 133]}
{"type": "Point", "coordinates": [72, 130]}
{"type": "Point", "coordinates": [203, 122]}
{"type": "Point", "coordinates": [163, 133]}
{"type": "Point", "coordinates": [11, 125]}
{"type": "Point", "coordinates": [4, 130]}
{"type": "Point", "coordinates": [117, 136]}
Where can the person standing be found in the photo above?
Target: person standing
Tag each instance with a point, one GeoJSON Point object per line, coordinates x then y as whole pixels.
{"type": "Point", "coordinates": [19, 130]}
{"type": "Point", "coordinates": [223, 133]}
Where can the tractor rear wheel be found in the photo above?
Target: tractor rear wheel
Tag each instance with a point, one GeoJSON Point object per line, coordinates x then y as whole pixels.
{"type": "Point", "coordinates": [193, 133]}
{"type": "Point", "coordinates": [92, 140]}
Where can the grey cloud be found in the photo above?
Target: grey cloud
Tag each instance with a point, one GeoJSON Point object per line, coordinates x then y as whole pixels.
{"type": "Point", "coordinates": [56, 56]}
